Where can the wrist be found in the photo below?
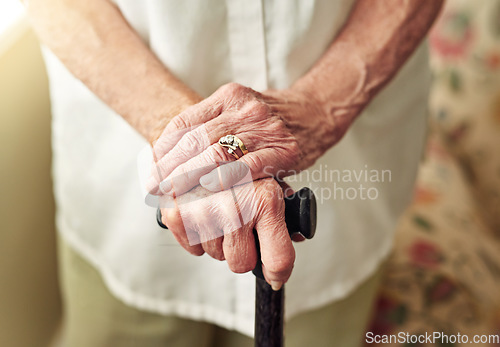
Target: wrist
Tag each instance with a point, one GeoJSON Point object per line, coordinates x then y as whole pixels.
{"type": "Point", "coordinates": [335, 119]}
{"type": "Point", "coordinates": [339, 85]}
{"type": "Point", "coordinates": [165, 112]}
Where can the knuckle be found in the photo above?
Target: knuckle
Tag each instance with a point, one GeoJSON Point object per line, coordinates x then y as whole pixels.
{"type": "Point", "coordinates": [189, 175]}
{"type": "Point", "coordinates": [254, 162]}
{"type": "Point", "coordinates": [240, 266]}
{"type": "Point", "coordinates": [293, 152]}
{"type": "Point", "coordinates": [196, 251]}
{"type": "Point", "coordinates": [279, 196]}
{"type": "Point", "coordinates": [277, 125]}
{"type": "Point", "coordinates": [178, 123]}
{"type": "Point", "coordinates": [281, 265]}
{"type": "Point", "coordinates": [273, 193]}
{"type": "Point", "coordinates": [257, 110]}
{"type": "Point", "coordinates": [218, 256]}
{"type": "Point", "coordinates": [260, 109]}
{"type": "Point", "coordinates": [159, 167]}
{"type": "Point", "coordinates": [214, 249]}
{"type": "Point", "coordinates": [171, 219]}
{"type": "Point", "coordinates": [294, 147]}
{"type": "Point", "coordinates": [276, 205]}
{"type": "Point", "coordinates": [217, 154]}
{"type": "Point", "coordinates": [232, 88]}
{"type": "Point", "coordinates": [155, 178]}
{"type": "Point", "coordinates": [226, 211]}
{"type": "Point", "coordinates": [190, 142]}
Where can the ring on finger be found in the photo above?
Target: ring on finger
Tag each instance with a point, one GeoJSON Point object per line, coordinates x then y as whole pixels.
{"type": "Point", "coordinates": [234, 146]}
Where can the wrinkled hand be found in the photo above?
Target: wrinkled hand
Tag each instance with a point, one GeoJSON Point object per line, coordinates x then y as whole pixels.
{"type": "Point", "coordinates": [221, 224]}
{"type": "Point", "coordinates": [285, 131]}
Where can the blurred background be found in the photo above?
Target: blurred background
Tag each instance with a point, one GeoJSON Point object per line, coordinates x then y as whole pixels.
{"type": "Point", "coordinates": [30, 309]}
{"type": "Point", "coordinates": [444, 272]}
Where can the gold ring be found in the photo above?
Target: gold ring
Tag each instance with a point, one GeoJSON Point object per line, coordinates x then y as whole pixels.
{"type": "Point", "coordinates": [233, 144]}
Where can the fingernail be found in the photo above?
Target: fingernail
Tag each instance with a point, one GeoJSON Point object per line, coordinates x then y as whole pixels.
{"type": "Point", "coordinates": [276, 285]}
{"type": "Point", "coordinates": [206, 180]}
{"type": "Point", "coordinates": [211, 182]}
{"type": "Point", "coordinates": [166, 186]}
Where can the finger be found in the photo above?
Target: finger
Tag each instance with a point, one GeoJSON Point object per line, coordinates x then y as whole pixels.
{"type": "Point", "coordinates": [192, 143]}
{"type": "Point", "coordinates": [254, 165]}
{"type": "Point", "coordinates": [184, 179]}
{"type": "Point", "coordinates": [197, 114]}
{"type": "Point", "coordinates": [239, 249]}
{"type": "Point", "coordinates": [223, 214]}
{"type": "Point", "coordinates": [187, 175]}
{"type": "Point", "coordinates": [213, 247]}
{"type": "Point", "coordinates": [226, 176]}
{"type": "Point", "coordinates": [172, 219]}
{"type": "Point", "coordinates": [285, 187]}
{"type": "Point", "coordinates": [166, 142]}
{"type": "Point", "coordinates": [210, 107]}
{"type": "Point", "coordinates": [210, 216]}
{"type": "Point", "coordinates": [184, 122]}
{"type": "Point", "coordinates": [275, 284]}
{"type": "Point", "coordinates": [277, 252]}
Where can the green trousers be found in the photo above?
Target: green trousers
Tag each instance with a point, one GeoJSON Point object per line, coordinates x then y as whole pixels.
{"type": "Point", "coordinates": [95, 318]}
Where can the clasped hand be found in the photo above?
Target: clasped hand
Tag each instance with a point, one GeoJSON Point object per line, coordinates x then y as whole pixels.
{"type": "Point", "coordinates": [285, 131]}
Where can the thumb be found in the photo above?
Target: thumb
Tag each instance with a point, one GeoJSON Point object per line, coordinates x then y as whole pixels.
{"type": "Point", "coordinates": [277, 252]}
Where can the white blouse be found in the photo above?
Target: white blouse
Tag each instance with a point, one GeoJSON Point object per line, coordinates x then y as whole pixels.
{"type": "Point", "coordinates": [362, 184]}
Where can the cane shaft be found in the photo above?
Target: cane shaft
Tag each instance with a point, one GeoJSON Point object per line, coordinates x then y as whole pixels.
{"type": "Point", "coordinates": [269, 305]}
{"type": "Point", "coordinates": [300, 217]}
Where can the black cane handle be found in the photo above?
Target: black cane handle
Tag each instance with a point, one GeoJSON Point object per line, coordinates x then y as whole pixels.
{"type": "Point", "coordinates": [300, 217]}
{"type": "Point", "coordinates": [158, 219]}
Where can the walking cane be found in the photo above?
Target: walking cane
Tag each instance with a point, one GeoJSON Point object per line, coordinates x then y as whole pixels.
{"type": "Point", "coordinates": [300, 217]}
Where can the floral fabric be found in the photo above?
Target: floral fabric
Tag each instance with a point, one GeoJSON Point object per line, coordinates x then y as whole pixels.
{"type": "Point", "coordinates": [444, 273]}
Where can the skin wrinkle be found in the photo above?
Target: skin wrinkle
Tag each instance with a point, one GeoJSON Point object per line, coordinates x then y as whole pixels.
{"type": "Point", "coordinates": [365, 70]}
{"type": "Point", "coordinates": [99, 47]}
{"type": "Point", "coordinates": [240, 243]}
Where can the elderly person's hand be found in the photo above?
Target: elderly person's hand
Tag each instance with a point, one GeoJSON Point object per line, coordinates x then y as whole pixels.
{"type": "Point", "coordinates": [284, 131]}
{"type": "Point", "coordinates": [287, 130]}
{"type": "Point", "coordinates": [221, 224]}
